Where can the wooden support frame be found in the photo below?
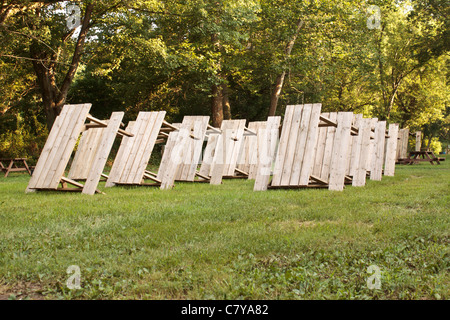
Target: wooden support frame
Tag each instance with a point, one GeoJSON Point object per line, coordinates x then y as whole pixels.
{"type": "Point", "coordinates": [14, 165]}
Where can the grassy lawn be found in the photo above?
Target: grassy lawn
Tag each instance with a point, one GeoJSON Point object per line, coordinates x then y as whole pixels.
{"type": "Point", "coordinates": [227, 242]}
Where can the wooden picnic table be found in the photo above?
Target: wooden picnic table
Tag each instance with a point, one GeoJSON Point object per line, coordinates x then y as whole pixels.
{"type": "Point", "coordinates": [420, 156]}
{"type": "Point", "coordinates": [14, 165]}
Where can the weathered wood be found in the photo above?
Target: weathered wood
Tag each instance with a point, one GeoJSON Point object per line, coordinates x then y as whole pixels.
{"type": "Point", "coordinates": [59, 147]}
{"type": "Point", "coordinates": [134, 153]}
{"type": "Point", "coordinates": [380, 140]}
{"type": "Point", "coordinates": [227, 150]}
{"type": "Point", "coordinates": [391, 150]}
{"type": "Point", "coordinates": [108, 136]}
{"type": "Point", "coordinates": [418, 140]}
{"type": "Point", "coordinates": [360, 173]}
{"type": "Point", "coordinates": [282, 148]}
{"type": "Point", "coordinates": [340, 151]}
{"type": "Point", "coordinates": [267, 147]}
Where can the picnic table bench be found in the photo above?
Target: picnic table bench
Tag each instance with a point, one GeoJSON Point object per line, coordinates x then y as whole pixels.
{"type": "Point", "coordinates": [421, 156]}
{"type": "Point", "coordinates": [14, 165]}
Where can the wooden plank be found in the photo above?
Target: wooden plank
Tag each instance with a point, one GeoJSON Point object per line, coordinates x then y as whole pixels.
{"type": "Point", "coordinates": [254, 155]}
{"type": "Point", "coordinates": [200, 127]}
{"type": "Point", "coordinates": [234, 146]}
{"type": "Point", "coordinates": [217, 166]}
{"type": "Point", "coordinates": [311, 141]}
{"type": "Point", "coordinates": [360, 174]}
{"type": "Point", "coordinates": [208, 155]}
{"type": "Point", "coordinates": [267, 144]}
{"type": "Point", "coordinates": [175, 160]}
{"type": "Point", "coordinates": [65, 145]}
{"type": "Point", "coordinates": [138, 146]}
{"type": "Point", "coordinates": [327, 156]}
{"type": "Point", "coordinates": [377, 169]}
{"type": "Point", "coordinates": [282, 148]}
{"type": "Point", "coordinates": [121, 157]}
{"type": "Point", "coordinates": [101, 155]}
{"type": "Point", "coordinates": [42, 164]}
{"type": "Point", "coordinates": [58, 148]}
{"type": "Point", "coordinates": [188, 149]}
{"type": "Point", "coordinates": [371, 158]}
{"type": "Point", "coordinates": [355, 146]}
{"type": "Point", "coordinates": [292, 143]}
{"type": "Point", "coordinates": [145, 149]}
{"type": "Point", "coordinates": [300, 146]}
{"type": "Point", "coordinates": [418, 140]}
{"type": "Point", "coordinates": [320, 148]}
{"type": "Point", "coordinates": [149, 145]}
{"type": "Point", "coordinates": [191, 158]}
{"type": "Point", "coordinates": [166, 158]}
{"type": "Point", "coordinates": [391, 150]}
{"type": "Point", "coordinates": [340, 151]}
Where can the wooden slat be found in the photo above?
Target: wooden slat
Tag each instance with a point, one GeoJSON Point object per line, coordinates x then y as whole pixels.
{"type": "Point", "coordinates": [101, 155]}
{"type": "Point", "coordinates": [57, 149]}
{"type": "Point", "coordinates": [282, 148]}
{"type": "Point", "coordinates": [328, 151]}
{"type": "Point", "coordinates": [360, 174]}
{"type": "Point", "coordinates": [267, 144]}
{"type": "Point", "coordinates": [132, 163]}
{"type": "Point", "coordinates": [121, 157]}
{"type": "Point", "coordinates": [340, 151]}
{"type": "Point", "coordinates": [391, 150]}
{"type": "Point", "coordinates": [168, 178]}
{"type": "Point", "coordinates": [377, 168]}
{"type": "Point", "coordinates": [146, 148]}
{"type": "Point", "coordinates": [200, 127]}
{"type": "Point", "coordinates": [355, 146]}
{"type": "Point", "coordinates": [70, 144]}
{"type": "Point", "coordinates": [42, 161]}
{"type": "Point", "coordinates": [254, 153]}
{"type": "Point", "coordinates": [208, 155]}
{"type": "Point", "coordinates": [308, 157]}
{"type": "Point", "coordinates": [292, 143]}
{"type": "Point", "coordinates": [67, 145]}
{"type": "Point", "coordinates": [320, 149]}
{"type": "Point", "coordinates": [300, 146]}
{"type": "Point", "coordinates": [372, 155]}
{"type": "Point", "coordinates": [418, 140]}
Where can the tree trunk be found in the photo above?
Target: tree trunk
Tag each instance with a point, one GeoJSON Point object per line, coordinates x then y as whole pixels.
{"type": "Point", "coordinates": [226, 102]}
{"type": "Point", "coordinates": [217, 106]}
{"type": "Point", "coordinates": [280, 79]}
{"type": "Point", "coordinates": [54, 96]}
{"type": "Point", "coordinates": [276, 94]}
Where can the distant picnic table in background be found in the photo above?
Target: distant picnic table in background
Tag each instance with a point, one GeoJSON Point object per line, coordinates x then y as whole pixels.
{"type": "Point", "coordinates": [421, 156]}
{"type": "Point", "coordinates": [8, 165]}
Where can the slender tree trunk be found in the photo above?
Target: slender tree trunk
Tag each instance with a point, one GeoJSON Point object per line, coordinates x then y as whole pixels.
{"type": "Point", "coordinates": [217, 106]}
{"type": "Point", "coordinates": [276, 94]}
{"type": "Point", "coordinates": [226, 102]}
{"type": "Point", "coordinates": [280, 79]}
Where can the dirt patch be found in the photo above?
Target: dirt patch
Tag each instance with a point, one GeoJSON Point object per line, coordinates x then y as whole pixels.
{"type": "Point", "coordinates": [21, 291]}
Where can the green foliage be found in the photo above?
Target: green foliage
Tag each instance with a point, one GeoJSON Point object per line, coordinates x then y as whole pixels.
{"type": "Point", "coordinates": [21, 143]}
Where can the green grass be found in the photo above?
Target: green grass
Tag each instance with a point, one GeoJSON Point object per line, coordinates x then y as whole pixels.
{"type": "Point", "coordinates": [227, 242]}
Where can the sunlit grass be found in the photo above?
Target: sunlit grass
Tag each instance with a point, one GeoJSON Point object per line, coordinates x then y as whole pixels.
{"type": "Point", "coordinates": [227, 242]}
